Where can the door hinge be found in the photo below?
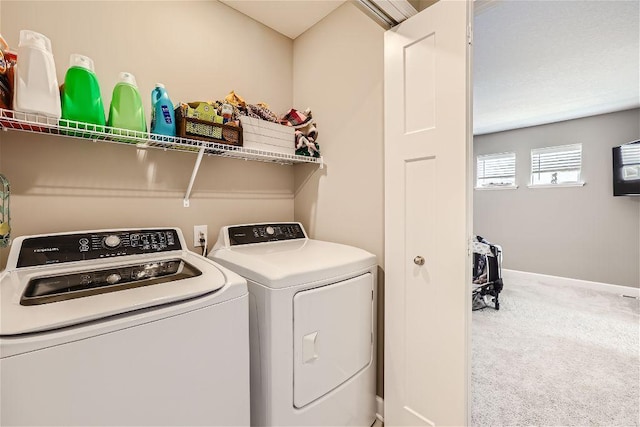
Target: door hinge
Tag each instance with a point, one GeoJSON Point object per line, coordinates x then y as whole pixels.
{"type": "Point", "coordinates": [469, 35]}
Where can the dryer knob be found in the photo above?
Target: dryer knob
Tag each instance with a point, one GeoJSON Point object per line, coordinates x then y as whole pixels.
{"type": "Point", "coordinates": [270, 230]}
{"type": "Point", "coordinates": [112, 241]}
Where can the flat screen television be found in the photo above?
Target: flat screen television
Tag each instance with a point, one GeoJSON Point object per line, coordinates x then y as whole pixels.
{"type": "Point", "coordinates": [626, 169]}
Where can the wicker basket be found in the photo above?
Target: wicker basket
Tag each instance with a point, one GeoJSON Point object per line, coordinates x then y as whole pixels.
{"type": "Point", "coordinates": [189, 127]}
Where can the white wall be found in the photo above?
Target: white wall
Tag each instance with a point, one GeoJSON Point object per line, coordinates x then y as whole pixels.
{"type": "Point", "coordinates": [338, 72]}
{"type": "Point", "coordinates": [200, 50]}
{"type": "Point", "coordinates": [578, 232]}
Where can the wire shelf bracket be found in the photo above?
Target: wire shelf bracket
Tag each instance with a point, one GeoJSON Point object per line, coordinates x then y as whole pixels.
{"type": "Point", "coordinates": [196, 167]}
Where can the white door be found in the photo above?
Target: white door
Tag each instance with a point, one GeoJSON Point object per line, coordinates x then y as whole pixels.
{"type": "Point", "coordinates": [427, 217]}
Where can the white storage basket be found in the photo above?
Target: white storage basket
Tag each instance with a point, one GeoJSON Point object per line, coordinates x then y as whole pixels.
{"type": "Point", "coordinates": [268, 136]}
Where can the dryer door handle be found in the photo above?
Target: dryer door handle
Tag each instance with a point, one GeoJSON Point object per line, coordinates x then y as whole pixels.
{"type": "Point", "coordinates": [309, 347]}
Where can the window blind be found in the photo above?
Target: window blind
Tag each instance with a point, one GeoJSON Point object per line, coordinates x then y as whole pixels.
{"type": "Point", "coordinates": [496, 168]}
{"type": "Point", "coordinates": [556, 159]}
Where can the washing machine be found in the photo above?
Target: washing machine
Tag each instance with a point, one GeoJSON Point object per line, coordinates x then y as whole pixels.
{"type": "Point", "coordinates": [121, 327]}
{"type": "Point", "coordinates": [312, 316]}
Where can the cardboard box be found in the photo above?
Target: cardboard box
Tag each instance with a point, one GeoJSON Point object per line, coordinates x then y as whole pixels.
{"type": "Point", "coordinates": [202, 111]}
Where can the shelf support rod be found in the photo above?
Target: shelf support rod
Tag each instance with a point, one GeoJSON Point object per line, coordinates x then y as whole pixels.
{"type": "Point", "coordinates": [185, 202]}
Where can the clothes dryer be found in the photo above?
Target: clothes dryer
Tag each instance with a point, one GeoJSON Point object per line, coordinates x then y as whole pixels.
{"type": "Point", "coordinates": [121, 327]}
{"type": "Point", "coordinates": [312, 308]}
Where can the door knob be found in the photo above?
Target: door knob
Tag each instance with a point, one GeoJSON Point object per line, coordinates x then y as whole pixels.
{"type": "Point", "coordinates": [418, 260]}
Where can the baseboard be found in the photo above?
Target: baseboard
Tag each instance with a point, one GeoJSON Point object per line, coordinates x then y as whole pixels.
{"type": "Point", "coordinates": [515, 276]}
{"type": "Point", "coordinates": [380, 408]}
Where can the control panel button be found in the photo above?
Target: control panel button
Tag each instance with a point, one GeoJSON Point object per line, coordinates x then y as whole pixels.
{"type": "Point", "coordinates": [112, 241]}
{"type": "Point", "coordinates": [270, 230]}
{"type": "Point", "coordinates": [113, 278]}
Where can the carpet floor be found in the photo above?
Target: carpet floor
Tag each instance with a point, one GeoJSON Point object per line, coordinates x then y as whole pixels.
{"type": "Point", "coordinates": [561, 356]}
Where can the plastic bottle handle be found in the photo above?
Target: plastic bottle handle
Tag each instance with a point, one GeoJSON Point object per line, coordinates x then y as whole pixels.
{"type": "Point", "coordinates": [155, 95]}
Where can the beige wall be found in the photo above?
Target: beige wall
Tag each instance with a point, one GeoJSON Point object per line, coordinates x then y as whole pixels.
{"type": "Point", "coordinates": [578, 232]}
{"type": "Point", "coordinates": [63, 184]}
{"type": "Point", "coordinates": [200, 50]}
{"type": "Point", "coordinates": [338, 66]}
{"type": "Point", "coordinates": [338, 71]}
{"type": "Point", "coordinates": [423, 4]}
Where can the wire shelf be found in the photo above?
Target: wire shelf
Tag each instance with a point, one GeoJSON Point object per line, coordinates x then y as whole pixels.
{"type": "Point", "coordinates": [37, 123]}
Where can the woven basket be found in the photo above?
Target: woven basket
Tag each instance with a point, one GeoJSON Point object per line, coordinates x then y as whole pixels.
{"type": "Point", "coordinates": [188, 127]}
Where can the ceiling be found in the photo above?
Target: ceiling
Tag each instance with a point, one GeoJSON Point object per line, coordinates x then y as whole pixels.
{"type": "Point", "coordinates": [539, 62]}
{"type": "Point", "coordinates": [288, 17]}
{"type": "Point", "coordinates": [535, 61]}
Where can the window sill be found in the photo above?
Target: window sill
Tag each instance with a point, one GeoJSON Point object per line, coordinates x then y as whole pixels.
{"type": "Point", "coordinates": [497, 187]}
{"type": "Point", "coordinates": [566, 184]}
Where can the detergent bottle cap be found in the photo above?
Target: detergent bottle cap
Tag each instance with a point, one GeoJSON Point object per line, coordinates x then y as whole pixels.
{"type": "Point", "coordinates": [32, 39]}
{"type": "Point", "coordinates": [128, 78]}
{"type": "Point", "coordinates": [81, 61]}
{"type": "Point", "coordinates": [160, 85]}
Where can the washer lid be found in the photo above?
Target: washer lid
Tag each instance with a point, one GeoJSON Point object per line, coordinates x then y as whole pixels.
{"type": "Point", "coordinates": [283, 264]}
{"type": "Point", "coordinates": [49, 297]}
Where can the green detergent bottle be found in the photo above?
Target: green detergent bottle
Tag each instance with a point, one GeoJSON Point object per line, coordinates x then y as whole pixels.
{"type": "Point", "coordinates": [126, 111]}
{"type": "Point", "coordinates": [81, 98]}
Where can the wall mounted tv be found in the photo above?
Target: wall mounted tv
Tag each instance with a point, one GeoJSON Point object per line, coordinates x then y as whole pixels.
{"type": "Point", "coordinates": [626, 169]}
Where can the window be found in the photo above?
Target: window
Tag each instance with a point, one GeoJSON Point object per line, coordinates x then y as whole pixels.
{"type": "Point", "coordinates": [496, 170]}
{"type": "Point", "coordinates": [556, 165]}
{"type": "Point", "coordinates": [630, 161]}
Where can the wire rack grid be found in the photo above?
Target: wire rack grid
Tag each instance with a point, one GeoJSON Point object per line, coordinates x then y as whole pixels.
{"type": "Point", "coordinates": [38, 123]}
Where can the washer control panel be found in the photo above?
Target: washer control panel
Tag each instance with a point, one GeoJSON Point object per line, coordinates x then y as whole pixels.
{"type": "Point", "coordinates": [261, 233]}
{"type": "Point", "coordinates": [95, 245]}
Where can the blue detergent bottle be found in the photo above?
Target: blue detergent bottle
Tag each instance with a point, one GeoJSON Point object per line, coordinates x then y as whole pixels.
{"type": "Point", "coordinates": [163, 120]}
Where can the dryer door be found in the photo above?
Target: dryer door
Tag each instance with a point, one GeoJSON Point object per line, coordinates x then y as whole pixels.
{"type": "Point", "coordinates": [333, 334]}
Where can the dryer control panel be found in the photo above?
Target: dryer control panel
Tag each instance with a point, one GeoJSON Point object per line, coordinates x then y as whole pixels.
{"type": "Point", "coordinates": [261, 233]}
{"type": "Point", "coordinates": [62, 248]}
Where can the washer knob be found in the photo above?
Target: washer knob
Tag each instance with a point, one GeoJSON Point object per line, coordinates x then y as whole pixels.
{"type": "Point", "coordinates": [113, 278]}
{"type": "Point", "coordinates": [112, 241]}
{"type": "Point", "coordinates": [270, 230]}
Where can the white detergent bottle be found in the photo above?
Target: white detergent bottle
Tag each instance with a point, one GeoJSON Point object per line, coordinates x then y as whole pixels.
{"type": "Point", "coordinates": [36, 84]}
